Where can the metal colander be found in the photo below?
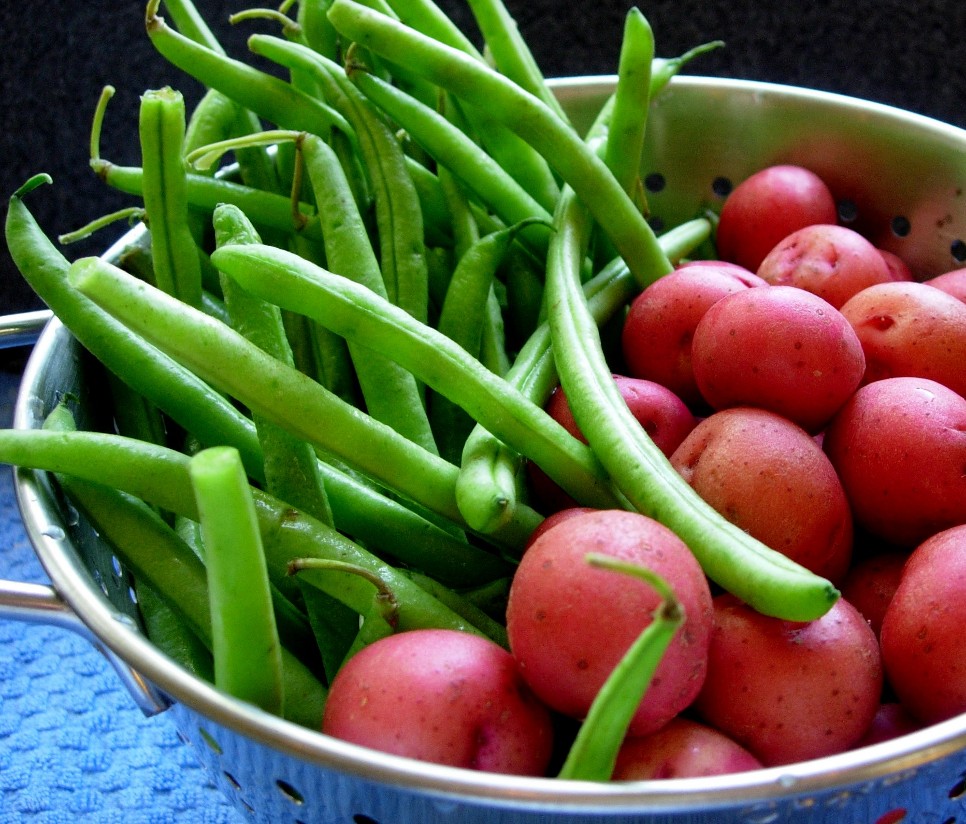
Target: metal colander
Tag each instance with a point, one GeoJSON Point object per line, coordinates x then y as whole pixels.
{"type": "Point", "coordinates": [898, 177]}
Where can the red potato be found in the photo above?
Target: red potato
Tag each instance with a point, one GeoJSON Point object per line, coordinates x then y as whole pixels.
{"type": "Point", "coordinates": [922, 631]}
{"type": "Point", "coordinates": [681, 749]}
{"type": "Point", "coordinates": [898, 268]}
{"type": "Point", "coordinates": [552, 520]}
{"type": "Point", "coordinates": [871, 583]}
{"type": "Point", "coordinates": [768, 476]}
{"type": "Point", "coordinates": [660, 323]}
{"type": "Point", "coordinates": [952, 283]}
{"type": "Point", "coordinates": [910, 329]}
{"type": "Point", "coordinates": [828, 260]}
{"type": "Point", "coordinates": [766, 207]}
{"type": "Point", "coordinates": [891, 721]}
{"type": "Point", "coordinates": [662, 414]}
{"type": "Point", "coordinates": [569, 624]}
{"type": "Point", "coordinates": [899, 446]}
{"type": "Point", "coordinates": [790, 691]}
{"type": "Point", "coordinates": [779, 348]}
{"type": "Point", "coordinates": [442, 696]}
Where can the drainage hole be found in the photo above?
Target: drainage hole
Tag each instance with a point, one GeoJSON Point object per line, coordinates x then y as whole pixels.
{"type": "Point", "coordinates": [359, 818]}
{"type": "Point", "coordinates": [721, 186]}
{"type": "Point", "coordinates": [958, 250]}
{"type": "Point", "coordinates": [848, 211]}
{"type": "Point", "coordinates": [901, 226]}
{"type": "Point", "coordinates": [290, 792]}
{"type": "Point", "coordinates": [655, 182]}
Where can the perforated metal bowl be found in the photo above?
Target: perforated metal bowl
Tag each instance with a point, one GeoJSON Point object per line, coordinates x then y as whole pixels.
{"type": "Point", "coordinates": [898, 176]}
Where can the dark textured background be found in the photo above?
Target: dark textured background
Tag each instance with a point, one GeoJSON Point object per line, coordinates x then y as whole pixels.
{"type": "Point", "coordinates": [56, 56]}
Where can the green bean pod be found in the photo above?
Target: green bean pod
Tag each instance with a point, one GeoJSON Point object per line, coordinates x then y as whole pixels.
{"type": "Point", "coordinates": [762, 577]}
{"type": "Point", "coordinates": [564, 150]}
{"type": "Point", "coordinates": [432, 357]}
{"type": "Point", "coordinates": [391, 393]}
{"type": "Point", "coordinates": [177, 266]}
{"type": "Point", "coordinates": [245, 643]}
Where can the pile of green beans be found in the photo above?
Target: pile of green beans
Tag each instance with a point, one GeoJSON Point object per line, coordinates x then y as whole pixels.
{"type": "Point", "coordinates": [329, 361]}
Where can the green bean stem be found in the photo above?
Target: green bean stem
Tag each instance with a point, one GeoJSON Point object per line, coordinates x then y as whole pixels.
{"type": "Point", "coordinates": [470, 80]}
{"type": "Point", "coordinates": [245, 644]}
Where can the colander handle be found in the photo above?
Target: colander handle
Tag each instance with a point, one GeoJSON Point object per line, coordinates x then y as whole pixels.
{"type": "Point", "coordinates": [23, 328]}
{"type": "Point", "coordinates": [38, 603]}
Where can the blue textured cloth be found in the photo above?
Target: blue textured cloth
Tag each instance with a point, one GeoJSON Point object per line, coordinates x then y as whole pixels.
{"type": "Point", "coordinates": [73, 746]}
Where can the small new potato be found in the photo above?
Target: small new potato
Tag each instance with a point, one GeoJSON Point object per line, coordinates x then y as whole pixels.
{"type": "Point", "coordinates": [659, 327]}
{"type": "Point", "coordinates": [910, 329]}
{"type": "Point", "coordinates": [952, 283]}
{"type": "Point", "coordinates": [768, 476]}
{"type": "Point", "coordinates": [779, 348]}
{"type": "Point", "coordinates": [791, 691]}
{"type": "Point", "coordinates": [569, 624]}
{"type": "Point", "coordinates": [828, 260]}
{"type": "Point", "coordinates": [442, 696]}
{"type": "Point", "coordinates": [768, 206]}
{"type": "Point", "coordinates": [683, 748]}
{"type": "Point", "coordinates": [922, 630]}
{"type": "Point", "coordinates": [899, 446]}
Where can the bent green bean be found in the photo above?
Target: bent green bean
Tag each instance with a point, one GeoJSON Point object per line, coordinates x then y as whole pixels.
{"type": "Point", "coordinates": [760, 576]}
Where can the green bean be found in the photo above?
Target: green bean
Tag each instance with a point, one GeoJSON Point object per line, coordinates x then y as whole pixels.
{"type": "Point", "coordinates": [291, 466]}
{"type": "Point", "coordinates": [187, 400]}
{"type": "Point", "coordinates": [177, 267]}
{"type": "Point", "coordinates": [391, 393]}
{"type": "Point", "coordinates": [452, 148]}
{"type": "Point", "coordinates": [398, 215]}
{"type": "Point", "coordinates": [465, 313]}
{"type": "Point", "coordinates": [171, 634]}
{"type": "Point", "coordinates": [632, 97]}
{"type": "Point", "coordinates": [282, 394]}
{"type": "Point", "coordinates": [760, 576]}
{"type": "Point", "coordinates": [191, 24]}
{"type": "Point", "coordinates": [245, 644]}
{"type": "Point", "coordinates": [263, 208]}
{"type": "Point", "coordinates": [268, 96]}
{"type": "Point", "coordinates": [431, 356]}
{"type": "Point", "coordinates": [510, 52]}
{"type": "Point", "coordinates": [319, 33]}
{"type": "Point", "coordinates": [594, 751]}
{"type": "Point", "coordinates": [563, 149]}
{"type": "Point", "coordinates": [462, 606]}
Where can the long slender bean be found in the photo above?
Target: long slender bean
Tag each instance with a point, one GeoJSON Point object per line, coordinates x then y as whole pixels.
{"type": "Point", "coordinates": [291, 466]}
{"type": "Point", "coordinates": [760, 576]}
{"type": "Point", "coordinates": [391, 393]}
{"type": "Point", "coordinates": [432, 357]}
{"type": "Point", "coordinates": [177, 266]}
{"type": "Point", "coordinates": [285, 395]}
{"type": "Point", "coordinates": [245, 643]}
{"type": "Point", "coordinates": [563, 149]}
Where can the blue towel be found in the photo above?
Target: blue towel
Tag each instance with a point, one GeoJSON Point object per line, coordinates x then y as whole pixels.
{"type": "Point", "coordinates": [74, 749]}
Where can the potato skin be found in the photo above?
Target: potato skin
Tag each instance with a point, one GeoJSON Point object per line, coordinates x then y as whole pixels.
{"type": "Point", "coordinates": [828, 260]}
{"type": "Point", "coordinates": [922, 630]}
{"type": "Point", "coordinates": [779, 348]}
{"type": "Point", "coordinates": [768, 476]}
{"type": "Point", "coordinates": [442, 696]}
{"type": "Point", "coordinates": [659, 327]}
{"type": "Point", "coordinates": [899, 447]}
{"type": "Point", "coordinates": [767, 206]}
{"type": "Point", "coordinates": [791, 691]}
{"type": "Point", "coordinates": [871, 583]}
{"type": "Point", "coordinates": [910, 329]}
{"type": "Point", "coordinates": [683, 748]}
{"type": "Point", "coordinates": [952, 283]}
{"type": "Point", "coordinates": [569, 624]}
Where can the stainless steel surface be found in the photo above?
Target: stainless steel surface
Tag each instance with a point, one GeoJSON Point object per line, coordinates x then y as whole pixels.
{"type": "Point", "coordinates": [23, 328]}
{"type": "Point", "coordinates": [883, 163]}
